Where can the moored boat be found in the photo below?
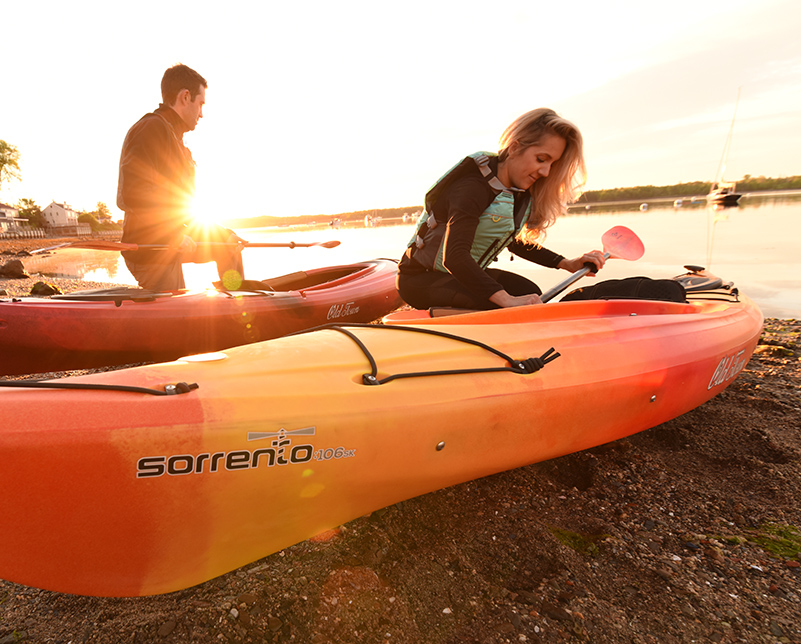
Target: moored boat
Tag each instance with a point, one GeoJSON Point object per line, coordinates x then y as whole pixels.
{"type": "Point", "coordinates": [724, 193]}
{"type": "Point", "coordinates": [123, 326]}
{"type": "Point", "coordinates": [135, 492]}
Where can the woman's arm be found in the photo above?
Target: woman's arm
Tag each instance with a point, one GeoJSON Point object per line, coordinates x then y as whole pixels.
{"type": "Point", "coordinates": [464, 203]}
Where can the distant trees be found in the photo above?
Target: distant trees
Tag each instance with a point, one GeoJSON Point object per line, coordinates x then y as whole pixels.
{"type": "Point", "coordinates": [9, 162]}
{"type": "Point", "coordinates": [266, 220]}
{"type": "Point", "coordinates": [754, 184]}
{"type": "Point", "coordinates": [99, 219]}
{"type": "Point", "coordinates": [678, 190]}
{"type": "Point", "coordinates": [30, 211]}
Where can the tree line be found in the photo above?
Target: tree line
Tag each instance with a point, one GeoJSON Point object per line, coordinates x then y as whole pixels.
{"type": "Point", "coordinates": [691, 189]}
{"type": "Point", "coordinates": [265, 221]}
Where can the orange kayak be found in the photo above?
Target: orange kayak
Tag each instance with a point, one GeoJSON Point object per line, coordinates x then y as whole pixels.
{"type": "Point", "coordinates": [130, 492]}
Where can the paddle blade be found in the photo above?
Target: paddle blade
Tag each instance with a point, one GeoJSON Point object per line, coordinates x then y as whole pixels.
{"type": "Point", "coordinates": [329, 244]}
{"type": "Point", "coordinates": [622, 243]}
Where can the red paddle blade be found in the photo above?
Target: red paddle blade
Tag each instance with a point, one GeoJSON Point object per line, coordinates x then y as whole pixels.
{"type": "Point", "coordinates": [622, 243]}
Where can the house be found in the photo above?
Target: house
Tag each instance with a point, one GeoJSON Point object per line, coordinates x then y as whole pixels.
{"type": "Point", "coordinates": [61, 219]}
{"type": "Point", "coordinates": [9, 218]}
{"type": "Point", "coordinates": [59, 214]}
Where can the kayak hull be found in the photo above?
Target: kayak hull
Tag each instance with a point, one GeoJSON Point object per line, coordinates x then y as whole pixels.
{"type": "Point", "coordinates": [127, 494]}
{"type": "Point", "coordinates": [81, 331]}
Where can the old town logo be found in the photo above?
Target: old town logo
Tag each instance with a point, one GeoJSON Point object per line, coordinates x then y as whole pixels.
{"type": "Point", "coordinates": [342, 310]}
{"type": "Point", "coordinates": [728, 367]}
{"type": "Point", "coordinates": [280, 452]}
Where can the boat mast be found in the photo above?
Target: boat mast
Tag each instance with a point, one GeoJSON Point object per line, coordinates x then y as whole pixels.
{"type": "Point", "coordinates": [724, 159]}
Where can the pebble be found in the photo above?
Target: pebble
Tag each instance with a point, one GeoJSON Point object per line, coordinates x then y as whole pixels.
{"type": "Point", "coordinates": [247, 598]}
{"type": "Point", "coordinates": [555, 612]}
{"type": "Point", "coordinates": [775, 628]}
{"type": "Point", "coordinates": [166, 628]}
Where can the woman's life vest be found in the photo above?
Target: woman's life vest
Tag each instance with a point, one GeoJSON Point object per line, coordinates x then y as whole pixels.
{"type": "Point", "coordinates": [497, 225]}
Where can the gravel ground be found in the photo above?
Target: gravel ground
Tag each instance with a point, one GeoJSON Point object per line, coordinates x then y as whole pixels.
{"type": "Point", "coordinates": [687, 532]}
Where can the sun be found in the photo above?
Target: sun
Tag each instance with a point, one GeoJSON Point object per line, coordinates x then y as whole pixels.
{"type": "Point", "coordinates": [205, 210]}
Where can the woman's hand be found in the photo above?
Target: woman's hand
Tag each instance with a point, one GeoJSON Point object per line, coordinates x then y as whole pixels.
{"type": "Point", "coordinates": [504, 300]}
{"type": "Point", "coordinates": [595, 257]}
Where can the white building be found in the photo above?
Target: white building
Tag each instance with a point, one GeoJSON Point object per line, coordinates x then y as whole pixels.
{"type": "Point", "coordinates": [61, 219]}
{"type": "Point", "coordinates": [59, 214]}
{"type": "Point", "coordinates": [9, 218]}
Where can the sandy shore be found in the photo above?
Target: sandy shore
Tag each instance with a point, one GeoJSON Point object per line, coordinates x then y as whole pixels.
{"type": "Point", "coordinates": [687, 532]}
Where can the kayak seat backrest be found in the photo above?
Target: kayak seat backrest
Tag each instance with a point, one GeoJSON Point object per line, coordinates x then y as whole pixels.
{"type": "Point", "coordinates": [331, 282]}
{"type": "Point", "coordinates": [636, 288]}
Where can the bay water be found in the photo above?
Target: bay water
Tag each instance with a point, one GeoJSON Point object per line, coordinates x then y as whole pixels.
{"type": "Point", "coordinates": [756, 245]}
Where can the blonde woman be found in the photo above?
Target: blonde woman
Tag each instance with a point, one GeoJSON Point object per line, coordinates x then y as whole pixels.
{"type": "Point", "coordinates": [488, 202]}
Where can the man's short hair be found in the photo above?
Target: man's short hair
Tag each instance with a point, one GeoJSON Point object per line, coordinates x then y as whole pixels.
{"type": "Point", "coordinates": [177, 78]}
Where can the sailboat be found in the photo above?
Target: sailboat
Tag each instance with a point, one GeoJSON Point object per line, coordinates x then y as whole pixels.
{"type": "Point", "coordinates": [724, 193]}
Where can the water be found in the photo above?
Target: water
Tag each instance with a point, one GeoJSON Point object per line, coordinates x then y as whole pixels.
{"type": "Point", "coordinates": [755, 245]}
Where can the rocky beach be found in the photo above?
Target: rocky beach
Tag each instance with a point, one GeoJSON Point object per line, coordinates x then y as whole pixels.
{"type": "Point", "coordinates": [687, 532]}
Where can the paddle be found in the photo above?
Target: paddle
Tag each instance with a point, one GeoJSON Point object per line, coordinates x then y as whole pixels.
{"type": "Point", "coordinates": [112, 245]}
{"type": "Point", "coordinates": [619, 243]}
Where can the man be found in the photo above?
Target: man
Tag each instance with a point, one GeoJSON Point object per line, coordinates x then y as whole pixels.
{"type": "Point", "coordinates": [156, 186]}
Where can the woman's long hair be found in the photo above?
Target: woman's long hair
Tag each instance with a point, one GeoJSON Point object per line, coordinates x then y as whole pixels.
{"type": "Point", "coordinates": [549, 195]}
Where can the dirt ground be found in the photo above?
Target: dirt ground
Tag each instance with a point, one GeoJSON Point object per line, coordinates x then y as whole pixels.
{"type": "Point", "coordinates": [687, 532]}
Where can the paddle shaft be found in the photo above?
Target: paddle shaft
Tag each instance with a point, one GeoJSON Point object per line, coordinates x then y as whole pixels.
{"type": "Point", "coordinates": [575, 277]}
{"type": "Point", "coordinates": [243, 244]}
{"type": "Point", "coordinates": [119, 246]}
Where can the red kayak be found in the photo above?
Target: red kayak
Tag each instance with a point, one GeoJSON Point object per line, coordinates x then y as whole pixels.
{"type": "Point", "coordinates": [129, 325]}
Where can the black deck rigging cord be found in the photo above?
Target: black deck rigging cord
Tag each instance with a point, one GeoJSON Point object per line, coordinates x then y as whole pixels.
{"type": "Point", "coordinates": [526, 366]}
{"type": "Point", "coordinates": [169, 390]}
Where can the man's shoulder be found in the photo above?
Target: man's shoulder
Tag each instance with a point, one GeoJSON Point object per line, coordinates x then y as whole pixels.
{"type": "Point", "coordinates": [152, 120]}
{"type": "Point", "coordinates": [150, 126]}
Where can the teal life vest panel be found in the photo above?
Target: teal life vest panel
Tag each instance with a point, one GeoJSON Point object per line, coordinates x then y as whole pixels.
{"type": "Point", "coordinates": [497, 225]}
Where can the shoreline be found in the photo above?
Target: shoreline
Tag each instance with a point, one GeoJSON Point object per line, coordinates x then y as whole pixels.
{"type": "Point", "coordinates": [21, 287]}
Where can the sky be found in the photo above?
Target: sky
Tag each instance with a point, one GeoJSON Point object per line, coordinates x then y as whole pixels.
{"type": "Point", "coordinates": [322, 107]}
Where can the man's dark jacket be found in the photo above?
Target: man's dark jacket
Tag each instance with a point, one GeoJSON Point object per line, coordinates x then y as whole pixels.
{"type": "Point", "coordinates": [156, 183]}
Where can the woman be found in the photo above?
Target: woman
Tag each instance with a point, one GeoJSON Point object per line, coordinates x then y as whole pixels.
{"type": "Point", "coordinates": [489, 202]}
